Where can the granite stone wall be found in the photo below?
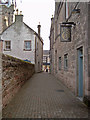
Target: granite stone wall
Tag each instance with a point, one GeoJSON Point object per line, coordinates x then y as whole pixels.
{"type": "Point", "coordinates": [15, 73]}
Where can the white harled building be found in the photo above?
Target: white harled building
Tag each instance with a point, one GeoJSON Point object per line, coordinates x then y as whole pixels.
{"type": "Point", "coordinates": [20, 41]}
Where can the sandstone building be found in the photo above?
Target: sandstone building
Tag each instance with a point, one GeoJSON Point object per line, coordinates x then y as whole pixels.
{"type": "Point", "coordinates": [6, 17]}
{"type": "Point", "coordinates": [70, 57]}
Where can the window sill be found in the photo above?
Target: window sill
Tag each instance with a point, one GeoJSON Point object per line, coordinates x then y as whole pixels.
{"type": "Point", "coordinates": [60, 69]}
{"type": "Point", "coordinates": [26, 50]}
{"type": "Point", "coordinates": [7, 49]}
{"type": "Point", "coordinates": [65, 69]}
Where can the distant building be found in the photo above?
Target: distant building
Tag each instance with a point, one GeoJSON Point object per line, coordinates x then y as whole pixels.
{"type": "Point", "coordinates": [70, 46]}
{"type": "Point", "coordinates": [6, 2]}
{"type": "Point", "coordinates": [6, 16]}
{"type": "Point", "coordinates": [20, 41]}
{"type": "Point", "coordinates": [46, 61]}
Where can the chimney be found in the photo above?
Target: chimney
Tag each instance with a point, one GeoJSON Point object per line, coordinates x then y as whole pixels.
{"type": "Point", "coordinates": [39, 29]}
{"type": "Point", "coordinates": [52, 19]}
{"type": "Point", "coordinates": [19, 17]}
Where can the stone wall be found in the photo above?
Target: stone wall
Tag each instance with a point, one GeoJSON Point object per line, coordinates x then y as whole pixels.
{"type": "Point", "coordinates": [15, 73]}
{"type": "Point", "coordinates": [79, 39]}
{"type": "Point", "coordinates": [0, 19]}
{"type": "Point", "coordinates": [0, 86]}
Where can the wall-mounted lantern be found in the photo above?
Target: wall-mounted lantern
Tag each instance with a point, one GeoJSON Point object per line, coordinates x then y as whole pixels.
{"type": "Point", "coordinates": [65, 31]}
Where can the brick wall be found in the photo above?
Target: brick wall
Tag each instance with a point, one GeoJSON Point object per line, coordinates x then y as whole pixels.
{"type": "Point", "coordinates": [15, 73]}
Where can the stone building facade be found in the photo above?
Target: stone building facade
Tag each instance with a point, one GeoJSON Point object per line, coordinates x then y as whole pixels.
{"type": "Point", "coordinates": [70, 61]}
{"type": "Point", "coordinates": [6, 18]}
{"type": "Point", "coordinates": [22, 42]}
{"type": "Point", "coordinates": [46, 60]}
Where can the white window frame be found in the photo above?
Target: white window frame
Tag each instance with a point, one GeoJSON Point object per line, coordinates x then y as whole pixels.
{"type": "Point", "coordinates": [7, 46]}
{"type": "Point", "coordinates": [26, 48]}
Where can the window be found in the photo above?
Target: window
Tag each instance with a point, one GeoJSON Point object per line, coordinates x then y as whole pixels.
{"type": "Point", "coordinates": [59, 63]}
{"type": "Point", "coordinates": [27, 45]}
{"type": "Point", "coordinates": [6, 20]}
{"type": "Point", "coordinates": [45, 59]}
{"type": "Point", "coordinates": [7, 45]}
{"type": "Point", "coordinates": [66, 61]}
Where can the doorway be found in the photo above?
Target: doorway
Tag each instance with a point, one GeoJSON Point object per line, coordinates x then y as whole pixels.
{"type": "Point", "coordinates": [80, 72]}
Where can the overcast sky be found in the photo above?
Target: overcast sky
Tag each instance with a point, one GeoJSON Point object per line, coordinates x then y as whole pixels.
{"type": "Point", "coordinates": [36, 11]}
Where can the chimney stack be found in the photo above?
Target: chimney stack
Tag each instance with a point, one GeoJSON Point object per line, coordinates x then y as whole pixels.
{"type": "Point", "coordinates": [39, 29]}
{"type": "Point", "coordinates": [19, 18]}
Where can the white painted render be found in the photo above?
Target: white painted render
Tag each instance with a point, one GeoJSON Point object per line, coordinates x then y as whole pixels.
{"type": "Point", "coordinates": [17, 33]}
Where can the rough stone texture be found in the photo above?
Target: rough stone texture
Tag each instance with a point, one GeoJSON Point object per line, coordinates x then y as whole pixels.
{"type": "Point", "coordinates": [43, 96]}
{"type": "Point", "coordinates": [6, 13]}
{"type": "Point", "coordinates": [79, 38]}
{"type": "Point", "coordinates": [0, 85]}
{"type": "Point", "coordinates": [14, 74]}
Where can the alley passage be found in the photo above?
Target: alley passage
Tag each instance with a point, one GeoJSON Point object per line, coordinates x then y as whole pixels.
{"type": "Point", "coordinates": [43, 96]}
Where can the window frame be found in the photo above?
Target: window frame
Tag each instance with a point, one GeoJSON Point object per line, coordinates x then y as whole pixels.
{"type": "Point", "coordinates": [7, 46]}
{"type": "Point", "coordinates": [60, 63]}
{"type": "Point", "coordinates": [66, 62]}
{"type": "Point", "coordinates": [25, 49]}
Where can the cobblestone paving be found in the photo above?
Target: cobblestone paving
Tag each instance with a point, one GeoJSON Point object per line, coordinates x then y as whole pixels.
{"type": "Point", "coordinates": [44, 97]}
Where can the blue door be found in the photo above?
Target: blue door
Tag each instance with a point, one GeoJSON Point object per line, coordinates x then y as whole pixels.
{"type": "Point", "coordinates": [80, 72]}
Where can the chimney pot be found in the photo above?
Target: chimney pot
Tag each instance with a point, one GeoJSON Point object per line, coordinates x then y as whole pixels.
{"type": "Point", "coordinates": [17, 11]}
{"type": "Point", "coordinates": [52, 18]}
{"type": "Point", "coordinates": [39, 29]}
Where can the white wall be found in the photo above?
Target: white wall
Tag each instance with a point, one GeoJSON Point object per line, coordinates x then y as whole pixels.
{"type": "Point", "coordinates": [17, 34]}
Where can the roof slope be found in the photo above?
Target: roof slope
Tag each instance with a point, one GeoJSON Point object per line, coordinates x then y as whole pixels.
{"type": "Point", "coordinates": [27, 27]}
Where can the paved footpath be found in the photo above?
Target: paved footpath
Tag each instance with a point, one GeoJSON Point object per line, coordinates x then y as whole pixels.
{"type": "Point", "coordinates": [44, 97]}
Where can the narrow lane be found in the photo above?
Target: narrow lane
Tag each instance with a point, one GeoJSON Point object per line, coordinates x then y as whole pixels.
{"type": "Point", "coordinates": [44, 97]}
